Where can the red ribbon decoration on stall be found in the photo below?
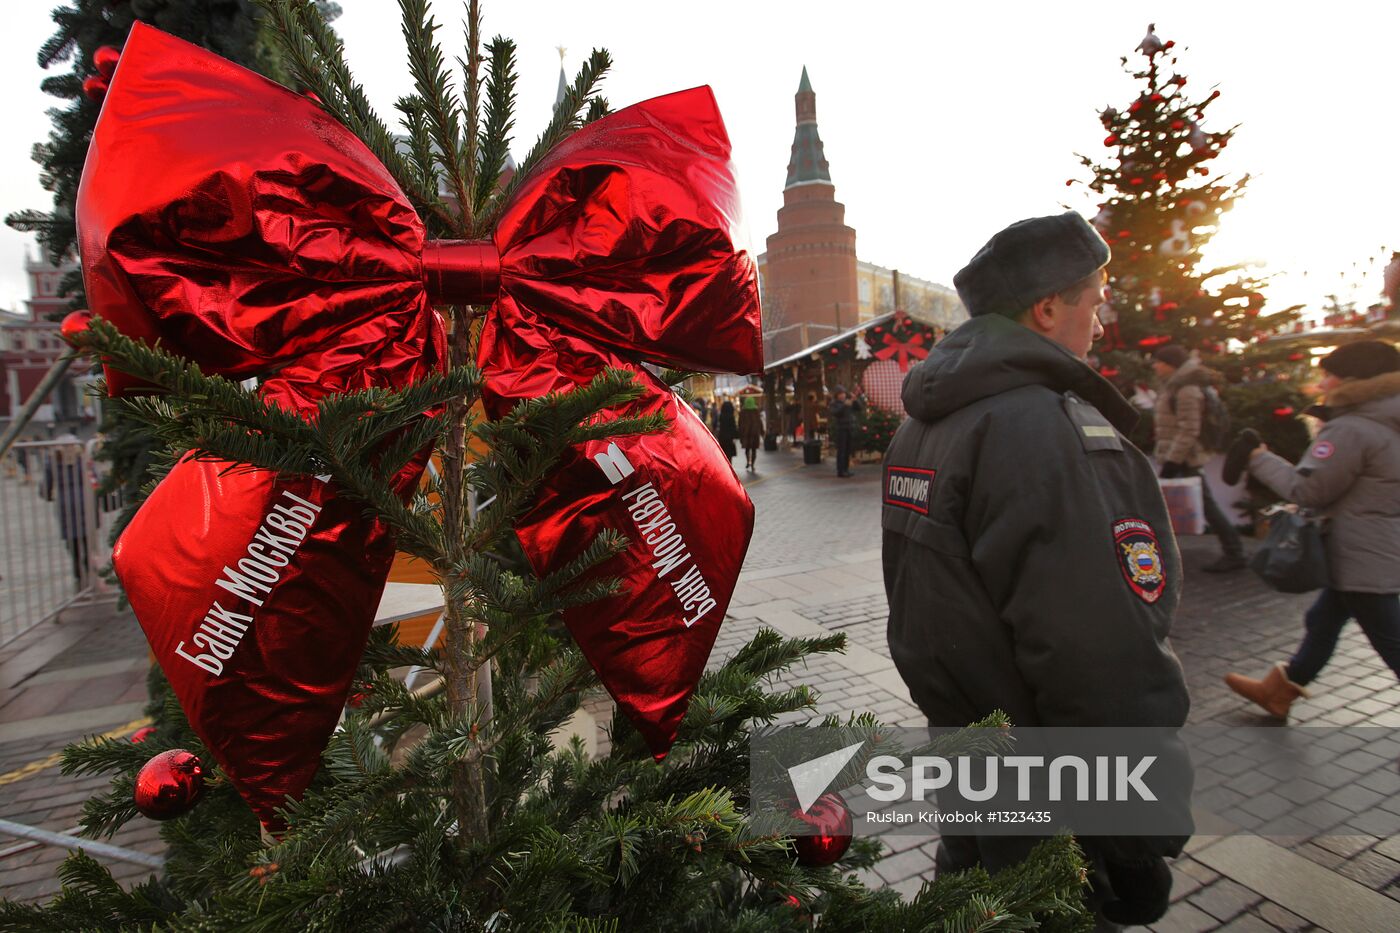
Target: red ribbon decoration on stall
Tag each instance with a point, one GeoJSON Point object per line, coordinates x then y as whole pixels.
{"type": "Point", "coordinates": [914, 347]}
{"type": "Point", "coordinates": [239, 224]}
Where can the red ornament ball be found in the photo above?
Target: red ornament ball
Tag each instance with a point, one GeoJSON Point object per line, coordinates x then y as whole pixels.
{"type": "Point", "coordinates": [95, 88]}
{"type": "Point", "coordinates": [830, 822]}
{"type": "Point", "coordinates": [1178, 125]}
{"type": "Point", "coordinates": [1134, 181]}
{"type": "Point", "coordinates": [1135, 106]}
{"type": "Point", "coordinates": [1111, 139]}
{"type": "Point", "coordinates": [141, 735]}
{"type": "Point", "coordinates": [834, 351]}
{"type": "Point", "coordinates": [105, 60]}
{"type": "Point", "coordinates": [74, 326]}
{"type": "Point", "coordinates": [1170, 43]}
{"type": "Point", "coordinates": [1124, 234]}
{"type": "Point", "coordinates": [1284, 412]}
{"type": "Point", "coordinates": [169, 785]}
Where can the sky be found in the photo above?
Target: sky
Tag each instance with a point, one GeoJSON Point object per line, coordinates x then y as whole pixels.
{"type": "Point", "coordinates": [942, 122]}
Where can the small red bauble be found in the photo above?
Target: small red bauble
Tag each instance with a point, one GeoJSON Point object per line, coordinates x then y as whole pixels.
{"type": "Point", "coordinates": [830, 820]}
{"type": "Point", "coordinates": [105, 60]}
{"type": "Point", "coordinates": [1135, 106]}
{"type": "Point", "coordinates": [834, 351]}
{"type": "Point", "coordinates": [1285, 412]}
{"type": "Point", "coordinates": [1124, 234]}
{"type": "Point", "coordinates": [1178, 125]}
{"type": "Point", "coordinates": [1170, 43]}
{"type": "Point", "coordinates": [1134, 181]}
{"type": "Point", "coordinates": [1111, 139]}
{"type": "Point", "coordinates": [169, 785]}
{"type": "Point", "coordinates": [141, 735]}
{"type": "Point", "coordinates": [1156, 98]}
{"type": "Point", "coordinates": [95, 88]}
{"type": "Point", "coordinates": [1159, 176]}
{"type": "Point", "coordinates": [74, 325]}
{"type": "Point", "coordinates": [1108, 372]}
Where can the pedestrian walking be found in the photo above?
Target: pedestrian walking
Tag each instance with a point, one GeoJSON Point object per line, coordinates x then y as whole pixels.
{"type": "Point", "coordinates": [728, 429]}
{"type": "Point", "coordinates": [1188, 406]}
{"type": "Point", "coordinates": [63, 486]}
{"type": "Point", "coordinates": [1028, 556]}
{"type": "Point", "coordinates": [750, 430]}
{"type": "Point", "coordinates": [842, 416]}
{"type": "Point", "coordinates": [1351, 476]}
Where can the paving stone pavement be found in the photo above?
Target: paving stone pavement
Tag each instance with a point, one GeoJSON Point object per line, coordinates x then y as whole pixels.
{"type": "Point", "coordinates": [814, 568]}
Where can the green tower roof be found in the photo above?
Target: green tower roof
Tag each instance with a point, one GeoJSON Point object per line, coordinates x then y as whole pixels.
{"type": "Point", "coordinates": [808, 163]}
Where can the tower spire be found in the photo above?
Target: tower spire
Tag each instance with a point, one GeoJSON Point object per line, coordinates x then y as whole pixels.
{"type": "Point", "coordinates": [808, 163]}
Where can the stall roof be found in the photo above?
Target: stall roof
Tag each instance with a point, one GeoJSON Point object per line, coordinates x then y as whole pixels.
{"type": "Point", "coordinates": [830, 341]}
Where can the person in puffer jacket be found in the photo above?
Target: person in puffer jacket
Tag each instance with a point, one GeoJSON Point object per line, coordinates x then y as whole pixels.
{"type": "Point", "coordinates": [1351, 475]}
{"type": "Point", "coordinates": [1178, 419]}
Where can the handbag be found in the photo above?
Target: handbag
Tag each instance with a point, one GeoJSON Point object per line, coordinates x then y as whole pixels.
{"type": "Point", "coordinates": [1185, 504]}
{"type": "Point", "coordinates": [1294, 556]}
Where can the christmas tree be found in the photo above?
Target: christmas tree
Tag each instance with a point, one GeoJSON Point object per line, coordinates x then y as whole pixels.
{"type": "Point", "coordinates": [1162, 202]}
{"type": "Point", "coordinates": [450, 807]}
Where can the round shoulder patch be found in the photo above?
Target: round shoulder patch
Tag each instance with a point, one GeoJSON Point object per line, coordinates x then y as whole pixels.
{"type": "Point", "coordinates": [1140, 558]}
{"type": "Point", "coordinates": [1322, 450]}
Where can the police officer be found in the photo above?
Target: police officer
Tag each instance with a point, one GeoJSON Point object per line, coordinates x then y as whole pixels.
{"type": "Point", "coordinates": [1028, 557]}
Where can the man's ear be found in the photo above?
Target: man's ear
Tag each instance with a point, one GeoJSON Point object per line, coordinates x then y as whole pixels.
{"type": "Point", "coordinates": [1041, 316]}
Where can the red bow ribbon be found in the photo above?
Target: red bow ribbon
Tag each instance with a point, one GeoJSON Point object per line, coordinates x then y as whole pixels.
{"type": "Point", "coordinates": [239, 224]}
{"type": "Point", "coordinates": [914, 347]}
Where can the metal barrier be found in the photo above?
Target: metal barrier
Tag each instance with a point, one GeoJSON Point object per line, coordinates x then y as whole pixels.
{"type": "Point", "coordinates": [53, 532]}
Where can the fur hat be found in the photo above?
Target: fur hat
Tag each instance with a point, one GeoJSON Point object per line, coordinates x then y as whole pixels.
{"type": "Point", "coordinates": [1362, 360]}
{"type": "Point", "coordinates": [1172, 354]}
{"type": "Point", "coordinates": [1030, 260]}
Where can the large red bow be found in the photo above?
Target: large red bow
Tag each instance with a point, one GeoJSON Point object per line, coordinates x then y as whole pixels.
{"type": "Point", "coordinates": [914, 347]}
{"type": "Point", "coordinates": [238, 223]}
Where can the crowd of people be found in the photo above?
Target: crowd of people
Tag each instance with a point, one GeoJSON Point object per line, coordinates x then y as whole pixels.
{"type": "Point", "coordinates": [740, 422]}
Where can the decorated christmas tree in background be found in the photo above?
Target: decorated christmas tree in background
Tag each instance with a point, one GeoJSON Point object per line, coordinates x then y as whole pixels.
{"type": "Point", "coordinates": [1162, 202]}
{"type": "Point", "coordinates": [452, 806]}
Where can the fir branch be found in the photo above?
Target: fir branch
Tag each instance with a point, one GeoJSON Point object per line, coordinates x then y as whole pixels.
{"type": "Point", "coordinates": [420, 142]}
{"type": "Point", "coordinates": [433, 83]}
{"type": "Point", "coordinates": [499, 119]}
{"type": "Point", "coordinates": [564, 122]}
{"type": "Point", "coordinates": [471, 70]}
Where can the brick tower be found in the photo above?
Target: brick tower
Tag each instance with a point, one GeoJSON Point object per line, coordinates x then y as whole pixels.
{"type": "Point", "coordinates": [810, 266]}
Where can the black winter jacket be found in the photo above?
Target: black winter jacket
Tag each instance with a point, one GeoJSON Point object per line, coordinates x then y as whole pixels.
{"type": "Point", "coordinates": [1028, 557]}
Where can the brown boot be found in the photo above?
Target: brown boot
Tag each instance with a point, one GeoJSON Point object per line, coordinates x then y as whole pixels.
{"type": "Point", "coordinates": [1275, 693]}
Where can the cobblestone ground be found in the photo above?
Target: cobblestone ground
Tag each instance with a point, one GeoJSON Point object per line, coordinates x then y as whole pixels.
{"type": "Point", "coordinates": [814, 566]}
{"type": "Point", "coordinates": [813, 569]}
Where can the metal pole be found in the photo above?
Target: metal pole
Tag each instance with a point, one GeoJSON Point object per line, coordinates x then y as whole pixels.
{"type": "Point", "coordinates": [64, 841]}
{"type": "Point", "coordinates": [31, 405]}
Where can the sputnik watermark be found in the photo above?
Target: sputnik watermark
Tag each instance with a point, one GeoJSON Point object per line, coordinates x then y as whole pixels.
{"type": "Point", "coordinates": [1216, 780]}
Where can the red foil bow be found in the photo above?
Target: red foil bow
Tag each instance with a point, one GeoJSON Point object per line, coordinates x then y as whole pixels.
{"type": "Point", "coordinates": [239, 224]}
{"type": "Point", "coordinates": [914, 347]}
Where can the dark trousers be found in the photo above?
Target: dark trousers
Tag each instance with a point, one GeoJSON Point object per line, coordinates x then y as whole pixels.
{"type": "Point", "coordinates": [1378, 614]}
{"type": "Point", "coordinates": [1219, 522]}
{"type": "Point", "coordinates": [844, 438]}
